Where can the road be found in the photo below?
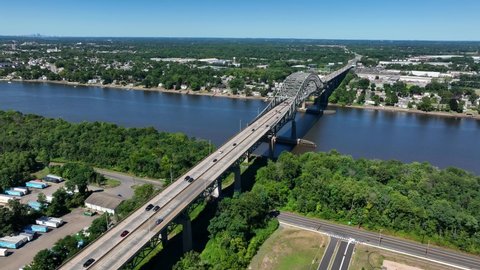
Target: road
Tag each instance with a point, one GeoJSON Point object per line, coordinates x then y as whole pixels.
{"type": "Point", "coordinates": [327, 257]}
{"type": "Point", "coordinates": [75, 221]}
{"type": "Point", "coordinates": [436, 254]}
{"type": "Point", "coordinates": [126, 182]}
{"type": "Point", "coordinates": [112, 251]}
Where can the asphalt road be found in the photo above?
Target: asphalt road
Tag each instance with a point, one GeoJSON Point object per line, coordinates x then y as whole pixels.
{"type": "Point", "coordinates": [126, 182]}
{"type": "Point", "coordinates": [428, 252]}
{"type": "Point", "coordinates": [342, 249]}
{"type": "Point", "coordinates": [327, 257]}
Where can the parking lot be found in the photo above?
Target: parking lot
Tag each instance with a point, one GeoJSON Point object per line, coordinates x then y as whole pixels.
{"type": "Point", "coordinates": [74, 222]}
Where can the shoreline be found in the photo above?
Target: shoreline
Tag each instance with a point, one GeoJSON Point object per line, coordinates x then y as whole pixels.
{"type": "Point", "coordinates": [203, 93]}
{"type": "Point", "coordinates": [138, 88]}
{"type": "Point", "coordinates": [414, 111]}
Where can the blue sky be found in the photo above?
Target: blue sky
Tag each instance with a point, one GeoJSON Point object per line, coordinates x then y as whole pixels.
{"type": "Point", "coordinates": [318, 19]}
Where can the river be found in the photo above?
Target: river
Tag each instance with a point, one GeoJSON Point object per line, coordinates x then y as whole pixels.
{"type": "Point", "coordinates": [361, 133]}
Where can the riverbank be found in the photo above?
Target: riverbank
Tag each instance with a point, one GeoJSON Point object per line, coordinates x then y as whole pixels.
{"type": "Point", "coordinates": [396, 109]}
{"type": "Point", "coordinates": [138, 88]}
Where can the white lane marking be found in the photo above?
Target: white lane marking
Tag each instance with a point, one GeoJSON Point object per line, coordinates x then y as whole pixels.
{"type": "Point", "coordinates": [379, 247]}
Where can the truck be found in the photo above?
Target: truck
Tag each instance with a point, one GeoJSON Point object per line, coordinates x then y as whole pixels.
{"type": "Point", "coordinates": [53, 178]}
{"type": "Point", "coordinates": [30, 236]}
{"type": "Point", "coordinates": [36, 184]}
{"type": "Point", "coordinates": [35, 228]}
{"type": "Point", "coordinates": [5, 198]}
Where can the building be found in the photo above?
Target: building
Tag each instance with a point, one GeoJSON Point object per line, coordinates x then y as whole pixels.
{"type": "Point", "coordinates": [103, 202]}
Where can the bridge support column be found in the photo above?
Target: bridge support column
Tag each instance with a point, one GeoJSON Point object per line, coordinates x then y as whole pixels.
{"type": "Point", "coordinates": [186, 232]}
{"type": "Point", "coordinates": [238, 179]}
{"type": "Point", "coordinates": [304, 105]}
{"type": "Point", "coordinates": [164, 237]}
{"type": "Point", "coordinates": [294, 130]}
{"type": "Point", "coordinates": [271, 147]}
{"type": "Point", "coordinates": [217, 191]}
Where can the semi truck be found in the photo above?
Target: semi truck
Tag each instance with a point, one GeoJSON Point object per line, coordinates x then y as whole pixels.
{"type": "Point", "coordinates": [36, 184]}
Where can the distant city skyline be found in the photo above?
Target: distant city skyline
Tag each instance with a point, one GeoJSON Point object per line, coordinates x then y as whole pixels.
{"type": "Point", "coordinates": [300, 19]}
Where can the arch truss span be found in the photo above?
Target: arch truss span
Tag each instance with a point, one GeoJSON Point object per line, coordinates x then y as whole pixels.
{"type": "Point", "coordinates": [298, 87]}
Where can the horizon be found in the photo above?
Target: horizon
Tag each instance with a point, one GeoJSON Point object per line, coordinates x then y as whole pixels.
{"type": "Point", "coordinates": [410, 20]}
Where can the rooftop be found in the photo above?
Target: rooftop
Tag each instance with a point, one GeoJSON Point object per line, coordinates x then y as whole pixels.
{"type": "Point", "coordinates": [104, 200]}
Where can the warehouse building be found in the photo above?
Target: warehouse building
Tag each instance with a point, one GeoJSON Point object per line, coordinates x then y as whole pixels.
{"type": "Point", "coordinates": [103, 202]}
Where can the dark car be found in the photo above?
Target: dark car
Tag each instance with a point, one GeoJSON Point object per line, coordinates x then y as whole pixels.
{"type": "Point", "coordinates": [234, 144]}
{"type": "Point", "coordinates": [215, 160]}
{"type": "Point", "coordinates": [159, 220]}
{"type": "Point", "coordinates": [156, 208]}
{"type": "Point", "coordinates": [191, 179]}
{"type": "Point", "coordinates": [253, 129]}
{"type": "Point", "coordinates": [124, 233]}
{"type": "Point", "coordinates": [187, 178]}
{"type": "Point", "coordinates": [149, 207]}
{"type": "Point", "coordinates": [88, 262]}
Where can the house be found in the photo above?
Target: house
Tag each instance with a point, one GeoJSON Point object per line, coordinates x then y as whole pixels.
{"type": "Point", "coordinates": [103, 202]}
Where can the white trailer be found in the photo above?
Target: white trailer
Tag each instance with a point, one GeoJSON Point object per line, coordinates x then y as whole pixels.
{"type": "Point", "coordinates": [3, 252]}
{"type": "Point", "coordinates": [22, 189]}
{"type": "Point", "coordinates": [5, 198]}
{"type": "Point", "coordinates": [49, 222]}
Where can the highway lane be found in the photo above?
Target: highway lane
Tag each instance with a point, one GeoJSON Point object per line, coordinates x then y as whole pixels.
{"type": "Point", "coordinates": [111, 251]}
{"type": "Point", "coordinates": [441, 255]}
{"type": "Point", "coordinates": [327, 256]}
{"type": "Point", "coordinates": [348, 256]}
{"type": "Point", "coordinates": [338, 260]}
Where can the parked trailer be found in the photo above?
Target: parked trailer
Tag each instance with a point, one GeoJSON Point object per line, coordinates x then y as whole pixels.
{"type": "Point", "coordinates": [3, 252]}
{"type": "Point", "coordinates": [14, 192]}
{"type": "Point", "coordinates": [35, 205]}
{"type": "Point", "coordinates": [30, 236]}
{"type": "Point", "coordinates": [13, 241]}
{"type": "Point", "coordinates": [35, 228]}
{"type": "Point", "coordinates": [5, 198]}
{"type": "Point", "coordinates": [36, 184]}
{"type": "Point", "coordinates": [53, 178]}
{"type": "Point", "coordinates": [22, 189]}
{"type": "Point", "coordinates": [50, 222]}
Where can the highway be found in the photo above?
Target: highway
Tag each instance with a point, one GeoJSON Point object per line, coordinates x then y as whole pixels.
{"type": "Point", "coordinates": [440, 255]}
{"type": "Point", "coordinates": [111, 251]}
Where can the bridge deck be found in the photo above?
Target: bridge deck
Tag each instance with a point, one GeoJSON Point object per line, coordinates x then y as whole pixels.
{"type": "Point", "coordinates": [112, 251]}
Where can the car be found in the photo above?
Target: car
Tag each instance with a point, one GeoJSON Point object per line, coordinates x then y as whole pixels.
{"type": "Point", "coordinates": [158, 221]}
{"type": "Point", "coordinates": [124, 233]}
{"type": "Point", "coordinates": [234, 144]}
{"type": "Point", "coordinates": [88, 262]}
{"type": "Point", "coordinates": [215, 160]}
{"type": "Point", "coordinates": [187, 178]}
{"type": "Point", "coordinates": [267, 125]}
{"type": "Point", "coordinates": [155, 209]}
{"type": "Point", "coordinates": [191, 179]}
{"type": "Point", "coordinates": [149, 207]}
{"type": "Point", "coordinates": [220, 152]}
{"type": "Point", "coordinates": [253, 129]}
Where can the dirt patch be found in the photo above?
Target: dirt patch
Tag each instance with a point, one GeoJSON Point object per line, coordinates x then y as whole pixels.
{"type": "Point", "coordinates": [290, 248]}
{"type": "Point", "coordinates": [389, 265]}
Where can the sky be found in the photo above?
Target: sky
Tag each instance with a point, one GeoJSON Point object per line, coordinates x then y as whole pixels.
{"type": "Point", "coordinates": [304, 19]}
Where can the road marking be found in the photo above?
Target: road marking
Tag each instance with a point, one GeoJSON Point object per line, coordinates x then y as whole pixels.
{"type": "Point", "coordinates": [379, 247]}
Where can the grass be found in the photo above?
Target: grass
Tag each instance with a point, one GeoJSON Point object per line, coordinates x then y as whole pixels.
{"type": "Point", "coordinates": [370, 258]}
{"type": "Point", "coordinates": [42, 173]}
{"type": "Point", "coordinates": [111, 183]}
{"type": "Point", "coordinates": [290, 249]}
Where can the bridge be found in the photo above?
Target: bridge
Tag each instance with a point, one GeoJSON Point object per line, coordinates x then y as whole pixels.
{"type": "Point", "coordinates": [148, 228]}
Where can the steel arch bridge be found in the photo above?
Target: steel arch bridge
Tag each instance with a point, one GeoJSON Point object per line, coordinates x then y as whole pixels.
{"type": "Point", "coordinates": [298, 87]}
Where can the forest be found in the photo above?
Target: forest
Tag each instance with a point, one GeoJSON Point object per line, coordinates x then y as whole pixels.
{"type": "Point", "coordinates": [415, 200]}
{"type": "Point", "coordinates": [31, 141]}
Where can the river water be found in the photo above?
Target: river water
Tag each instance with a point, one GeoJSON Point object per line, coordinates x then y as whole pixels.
{"type": "Point", "coordinates": [360, 133]}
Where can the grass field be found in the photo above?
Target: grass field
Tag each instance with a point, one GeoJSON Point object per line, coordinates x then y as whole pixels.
{"type": "Point", "coordinates": [370, 258]}
{"type": "Point", "coordinates": [290, 249]}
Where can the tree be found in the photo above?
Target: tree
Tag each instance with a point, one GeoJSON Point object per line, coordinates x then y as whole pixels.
{"type": "Point", "coordinates": [191, 261]}
{"type": "Point", "coordinates": [425, 104]}
{"type": "Point", "coordinates": [236, 84]}
{"type": "Point", "coordinates": [363, 83]}
{"type": "Point", "coordinates": [44, 260]}
{"type": "Point", "coordinates": [58, 206]}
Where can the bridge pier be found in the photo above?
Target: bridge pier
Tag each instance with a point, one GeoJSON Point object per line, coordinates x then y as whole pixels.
{"type": "Point", "coordinates": [164, 237]}
{"type": "Point", "coordinates": [238, 179]}
{"type": "Point", "coordinates": [293, 135]}
{"type": "Point", "coordinates": [184, 219]}
{"type": "Point", "coordinates": [217, 191]}
{"type": "Point", "coordinates": [271, 147]}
